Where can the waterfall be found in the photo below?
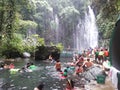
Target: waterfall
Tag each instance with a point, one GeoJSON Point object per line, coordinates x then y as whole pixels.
{"type": "Point", "coordinates": [86, 32]}
{"type": "Point", "coordinates": [57, 28]}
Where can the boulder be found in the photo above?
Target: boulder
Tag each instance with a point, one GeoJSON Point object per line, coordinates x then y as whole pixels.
{"type": "Point", "coordinates": [92, 73]}
{"type": "Point", "coordinates": [43, 52]}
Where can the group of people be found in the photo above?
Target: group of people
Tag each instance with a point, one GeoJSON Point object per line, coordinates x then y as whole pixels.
{"type": "Point", "coordinates": [29, 67]}
{"type": "Point", "coordinates": [101, 55]}
{"type": "Point", "coordinates": [69, 85]}
{"type": "Point", "coordinates": [82, 62]}
{"type": "Point", "coordinates": [7, 66]}
{"type": "Point", "coordinates": [79, 65]}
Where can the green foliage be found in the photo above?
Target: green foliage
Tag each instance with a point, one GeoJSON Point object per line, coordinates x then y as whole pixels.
{"type": "Point", "coordinates": [60, 46]}
{"type": "Point", "coordinates": [39, 41]}
{"type": "Point", "coordinates": [107, 16]}
{"type": "Point", "coordinates": [43, 5]}
{"type": "Point", "coordinates": [30, 43]}
{"type": "Point", "coordinates": [25, 25]}
{"type": "Point", "coordinates": [69, 12]}
{"type": "Point", "coordinates": [15, 44]}
{"type": "Point", "coordinates": [19, 16]}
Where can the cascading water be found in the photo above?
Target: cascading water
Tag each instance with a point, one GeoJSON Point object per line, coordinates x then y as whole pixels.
{"type": "Point", "coordinates": [57, 28]}
{"type": "Point", "coordinates": [87, 33]}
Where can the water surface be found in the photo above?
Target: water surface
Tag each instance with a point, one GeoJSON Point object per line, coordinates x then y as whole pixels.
{"type": "Point", "coordinates": [28, 80]}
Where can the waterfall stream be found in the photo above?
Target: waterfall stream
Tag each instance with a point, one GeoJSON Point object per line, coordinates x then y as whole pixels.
{"type": "Point", "coordinates": [86, 32]}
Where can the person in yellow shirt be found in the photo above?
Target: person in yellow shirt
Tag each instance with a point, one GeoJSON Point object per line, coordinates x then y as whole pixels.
{"type": "Point", "coordinates": [101, 56]}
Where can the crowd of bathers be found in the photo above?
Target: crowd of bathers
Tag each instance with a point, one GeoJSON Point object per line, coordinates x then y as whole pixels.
{"type": "Point", "coordinates": [80, 63]}
{"type": "Point", "coordinates": [7, 66]}
{"type": "Point", "coordinates": [83, 61]}
{"type": "Point", "coordinates": [26, 68]}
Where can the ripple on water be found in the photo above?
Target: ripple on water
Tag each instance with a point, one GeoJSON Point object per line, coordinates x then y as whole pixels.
{"type": "Point", "coordinates": [24, 88]}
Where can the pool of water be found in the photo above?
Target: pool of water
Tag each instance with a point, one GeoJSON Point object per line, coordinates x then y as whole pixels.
{"type": "Point", "coordinates": [45, 73]}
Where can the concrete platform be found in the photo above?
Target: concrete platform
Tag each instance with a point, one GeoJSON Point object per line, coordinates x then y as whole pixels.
{"type": "Point", "coordinates": [95, 86]}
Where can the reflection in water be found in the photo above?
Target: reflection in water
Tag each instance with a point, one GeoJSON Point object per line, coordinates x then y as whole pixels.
{"type": "Point", "coordinates": [28, 80]}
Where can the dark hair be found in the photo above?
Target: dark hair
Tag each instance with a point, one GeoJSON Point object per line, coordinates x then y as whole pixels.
{"type": "Point", "coordinates": [68, 67]}
{"type": "Point", "coordinates": [31, 63]}
{"type": "Point", "coordinates": [70, 81]}
{"type": "Point", "coordinates": [65, 70]}
{"type": "Point", "coordinates": [88, 59]}
{"type": "Point", "coordinates": [40, 86]}
{"type": "Point", "coordinates": [2, 65]}
{"type": "Point", "coordinates": [58, 60]}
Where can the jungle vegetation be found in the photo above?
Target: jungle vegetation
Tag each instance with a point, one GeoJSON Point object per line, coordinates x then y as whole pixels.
{"type": "Point", "coordinates": [24, 21]}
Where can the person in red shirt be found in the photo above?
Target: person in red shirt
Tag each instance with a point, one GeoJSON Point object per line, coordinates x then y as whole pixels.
{"type": "Point", "coordinates": [106, 54]}
{"type": "Point", "coordinates": [11, 66]}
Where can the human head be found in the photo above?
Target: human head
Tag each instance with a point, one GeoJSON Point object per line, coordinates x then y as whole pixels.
{"type": "Point", "coordinates": [67, 66]}
{"type": "Point", "coordinates": [88, 59]}
{"type": "Point", "coordinates": [40, 86]}
{"type": "Point", "coordinates": [65, 70]}
{"type": "Point", "coordinates": [2, 65]}
{"type": "Point", "coordinates": [32, 63]}
{"type": "Point", "coordinates": [58, 61]}
{"type": "Point", "coordinates": [70, 84]}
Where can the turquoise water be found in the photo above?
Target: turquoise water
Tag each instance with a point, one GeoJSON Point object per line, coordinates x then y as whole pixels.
{"type": "Point", "coordinates": [45, 73]}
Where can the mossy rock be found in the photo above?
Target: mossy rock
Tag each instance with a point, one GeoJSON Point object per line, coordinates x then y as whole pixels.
{"type": "Point", "coordinates": [43, 52]}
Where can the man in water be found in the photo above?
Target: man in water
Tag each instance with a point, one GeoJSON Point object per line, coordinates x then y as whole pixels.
{"type": "Point", "coordinates": [58, 65]}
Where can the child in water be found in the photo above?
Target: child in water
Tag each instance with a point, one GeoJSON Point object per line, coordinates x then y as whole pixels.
{"type": "Point", "coordinates": [65, 73]}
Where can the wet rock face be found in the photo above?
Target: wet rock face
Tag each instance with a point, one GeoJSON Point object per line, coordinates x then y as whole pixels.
{"type": "Point", "coordinates": [87, 76]}
{"type": "Point", "coordinates": [92, 72]}
{"type": "Point", "coordinates": [115, 46]}
{"type": "Point", "coordinates": [43, 52]}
